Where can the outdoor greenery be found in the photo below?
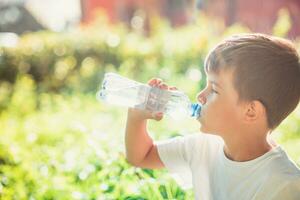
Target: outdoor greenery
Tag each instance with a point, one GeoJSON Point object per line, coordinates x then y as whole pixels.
{"type": "Point", "coordinates": [59, 142]}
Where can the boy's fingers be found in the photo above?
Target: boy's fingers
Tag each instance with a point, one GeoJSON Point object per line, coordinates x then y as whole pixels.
{"type": "Point", "coordinates": [157, 116]}
{"type": "Point", "coordinates": [154, 81]}
{"type": "Point", "coordinates": [173, 88]}
{"type": "Point", "coordinates": [158, 81]}
{"type": "Point", "coordinates": [163, 86]}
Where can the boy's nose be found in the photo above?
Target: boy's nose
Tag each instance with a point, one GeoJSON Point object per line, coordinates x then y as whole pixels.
{"type": "Point", "coordinates": [201, 98]}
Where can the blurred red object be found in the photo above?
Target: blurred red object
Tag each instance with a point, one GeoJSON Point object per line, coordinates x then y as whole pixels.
{"type": "Point", "coordinates": [258, 15]}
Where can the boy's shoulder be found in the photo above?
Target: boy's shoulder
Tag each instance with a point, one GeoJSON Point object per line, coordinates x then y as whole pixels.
{"type": "Point", "coordinates": [287, 182]}
{"type": "Point", "coordinates": [283, 168]}
{"type": "Point", "coordinates": [281, 186]}
{"type": "Point", "coordinates": [278, 177]}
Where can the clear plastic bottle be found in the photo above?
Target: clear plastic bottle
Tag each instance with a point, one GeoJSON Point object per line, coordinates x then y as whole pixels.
{"type": "Point", "coordinates": [119, 90]}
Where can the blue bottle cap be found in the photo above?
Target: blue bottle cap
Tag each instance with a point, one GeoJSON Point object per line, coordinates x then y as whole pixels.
{"type": "Point", "coordinates": [196, 110]}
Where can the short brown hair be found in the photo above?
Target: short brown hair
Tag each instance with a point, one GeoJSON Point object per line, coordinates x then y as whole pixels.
{"type": "Point", "coordinates": [265, 68]}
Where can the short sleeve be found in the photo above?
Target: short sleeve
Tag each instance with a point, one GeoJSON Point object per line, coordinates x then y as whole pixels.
{"type": "Point", "coordinates": [176, 154]}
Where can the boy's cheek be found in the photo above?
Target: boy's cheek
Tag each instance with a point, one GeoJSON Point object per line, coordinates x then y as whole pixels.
{"type": "Point", "coordinates": [217, 116]}
{"type": "Point", "coordinates": [209, 107]}
{"type": "Point", "coordinates": [212, 112]}
{"type": "Point", "coordinates": [209, 120]}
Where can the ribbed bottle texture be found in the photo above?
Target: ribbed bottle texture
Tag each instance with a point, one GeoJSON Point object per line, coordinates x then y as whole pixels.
{"type": "Point", "coordinates": [119, 90]}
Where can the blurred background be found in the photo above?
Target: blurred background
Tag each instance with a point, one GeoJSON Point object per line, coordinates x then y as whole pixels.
{"type": "Point", "coordinates": [57, 141]}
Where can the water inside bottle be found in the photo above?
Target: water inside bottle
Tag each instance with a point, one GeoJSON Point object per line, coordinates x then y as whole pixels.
{"type": "Point", "coordinates": [118, 90]}
{"type": "Point", "coordinates": [121, 91]}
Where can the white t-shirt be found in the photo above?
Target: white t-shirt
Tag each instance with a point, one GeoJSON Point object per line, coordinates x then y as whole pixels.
{"type": "Point", "coordinates": [198, 161]}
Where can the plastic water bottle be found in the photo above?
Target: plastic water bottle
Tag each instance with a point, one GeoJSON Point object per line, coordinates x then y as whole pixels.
{"type": "Point", "coordinates": [119, 90]}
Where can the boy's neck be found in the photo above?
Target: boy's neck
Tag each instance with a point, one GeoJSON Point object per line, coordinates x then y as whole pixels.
{"type": "Point", "coordinates": [242, 149]}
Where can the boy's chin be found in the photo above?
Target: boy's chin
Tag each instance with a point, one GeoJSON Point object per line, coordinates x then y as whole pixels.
{"type": "Point", "coordinates": [203, 127]}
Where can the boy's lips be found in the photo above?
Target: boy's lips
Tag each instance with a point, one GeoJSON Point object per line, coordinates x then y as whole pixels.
{"type": "Point", "coordinates": [201, 116]}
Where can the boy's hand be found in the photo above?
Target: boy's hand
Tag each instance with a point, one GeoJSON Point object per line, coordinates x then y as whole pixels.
{"type": "Point", "coordinates": [144, 114]}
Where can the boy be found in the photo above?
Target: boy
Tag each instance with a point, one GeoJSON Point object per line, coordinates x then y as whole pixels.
{"type": "Point", "coordinates": [253, 83]}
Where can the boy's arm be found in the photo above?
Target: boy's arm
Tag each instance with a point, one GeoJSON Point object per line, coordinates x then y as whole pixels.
{"type": "Point", "coordinates": [140, 149]}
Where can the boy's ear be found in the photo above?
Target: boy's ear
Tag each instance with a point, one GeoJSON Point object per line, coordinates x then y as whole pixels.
{"type": "Point", "coordinates": [253, 111]}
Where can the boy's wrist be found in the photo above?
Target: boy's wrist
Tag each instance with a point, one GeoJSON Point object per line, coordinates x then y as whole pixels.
{"type": "Point", "coordinates": [143, 115]}
{"type": "Point", "coordinates": [137, 115]}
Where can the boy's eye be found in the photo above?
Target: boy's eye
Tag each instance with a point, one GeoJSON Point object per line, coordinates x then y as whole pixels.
{"type": "Point", "coordinates": [214, 91]}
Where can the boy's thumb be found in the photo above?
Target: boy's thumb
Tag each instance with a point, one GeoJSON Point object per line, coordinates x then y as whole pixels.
{"type": "Point", "coordinates": [157, 116]}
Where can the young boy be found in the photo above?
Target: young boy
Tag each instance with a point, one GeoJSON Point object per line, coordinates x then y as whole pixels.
{"type": "Point", "coordinates": [253, 83]}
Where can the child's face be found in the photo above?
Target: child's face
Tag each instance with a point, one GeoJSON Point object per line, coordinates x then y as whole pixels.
{"type": "Point", "coordinates": [221, 112]}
